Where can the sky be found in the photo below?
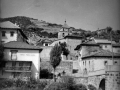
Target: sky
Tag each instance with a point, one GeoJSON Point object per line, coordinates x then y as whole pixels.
{"type": "Point", "coordinates": [84, 14]}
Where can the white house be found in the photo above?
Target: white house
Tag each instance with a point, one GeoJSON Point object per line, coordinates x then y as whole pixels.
{"type": "Point", "coordinates": [104, 43]}
{"type": "Point", "coordinates": [95, 63]}
{"type": "Point", "coordinates": [11, 32]}
{"type": "Point", "coordinates": [21, 60]}
{"type": "Point", "coordinates": [93, 58]}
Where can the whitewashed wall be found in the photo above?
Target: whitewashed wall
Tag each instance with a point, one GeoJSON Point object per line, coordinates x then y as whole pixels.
{"type": "Point", "coordinates": [26, 55]}
{"type": "Point", "coordinates": [7, 37]}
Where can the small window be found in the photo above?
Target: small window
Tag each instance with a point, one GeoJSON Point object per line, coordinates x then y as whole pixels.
{"type": "Point", "coordinates": [63, 34]}
{"type": "Point", "coordinates": [11, 33]}
{"type": "Point", "coordinates": [13, 54]}
{"type": "Point", "coordinates": [3, 33]}
{"type": "Point", "coordinates": [105, 63]}
{"type": "Point", "coordinates": [75, 70]}
{"type": "Point", "coordinates": [105, 46]}
{"type": "Point", "coordinates": [85, 63]}
{"type": "Point", "coordinates": [115, 62]}
{"type": "Point", "coordinates": [13, 64]}
{"type": "Point", "coordinates": [46, 44]}
{"type": "Point", "coordinates": [21, 63]}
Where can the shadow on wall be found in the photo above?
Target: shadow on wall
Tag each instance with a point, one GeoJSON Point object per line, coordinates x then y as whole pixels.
{"type": "Point", "coordinates": [102, 85]}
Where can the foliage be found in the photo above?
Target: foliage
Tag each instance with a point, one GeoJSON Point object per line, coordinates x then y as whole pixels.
{"type": "Point", "coordinates": [1, 51]}
{"type": "Point", "coordinates": [66, 83]}
{"type": "Point", "coordinates": [44, 73]}
{"type": "Point", "coordinates": [91, 87]}
{"type": "Point", "coordinates": [2, 63]}
{"type": "Point", "coordinates": [64, 48]}
{"type": "Point", "coordinates": [55, 56]}
{"type": "Point", "coordinates": [32, 84]}
{"type": "Point", "coordinates": [109, 29]}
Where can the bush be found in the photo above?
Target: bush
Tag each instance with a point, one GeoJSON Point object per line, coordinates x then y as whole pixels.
{"type": "Point", "coordinates": [66, 83]}
{"type": "Point", "coordinates": [18, 84]}
{"type": "Point", "coordinates": [91, 87]}
{"type": "Point", "coordinates": [6, 83]}
{"type": "Point", "coordinates": [79, 87]}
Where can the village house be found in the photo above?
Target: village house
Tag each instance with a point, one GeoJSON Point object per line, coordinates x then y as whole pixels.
{"type": "Point", "coordinates": [94, 59]}
{"type": "Point", "coordinates": [21, 60]}
{"type": "Point", "coordinates": [11, 32]}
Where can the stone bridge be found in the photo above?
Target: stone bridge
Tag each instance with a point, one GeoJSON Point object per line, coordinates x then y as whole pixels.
{"type": "Point", "coordinates": [110, 80]}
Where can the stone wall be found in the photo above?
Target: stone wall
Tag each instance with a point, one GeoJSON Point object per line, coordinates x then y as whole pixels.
{"type": "Point", "coordinates": [113, 77]}
{"type": "Point", "coordinates": [95, 80]}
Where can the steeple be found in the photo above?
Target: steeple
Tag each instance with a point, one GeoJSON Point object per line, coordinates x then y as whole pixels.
{"type": "Point", "coordinates": [65, 25]}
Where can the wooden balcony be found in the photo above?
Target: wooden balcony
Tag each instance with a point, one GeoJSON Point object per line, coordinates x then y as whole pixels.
{"type": "Point", "coordinates": [18, 69]}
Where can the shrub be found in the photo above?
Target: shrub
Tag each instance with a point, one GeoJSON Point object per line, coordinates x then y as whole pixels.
{"type": "Point", "coordinates": [91, 87]}
{"type": "Point", "coordinates": [6, 83]}
{"type": "Point", "coordinates": [19, 83]}
{"type": "Point", "coordinates": [66, 83]}
{"type": "Point", "coordinates": [79, 87]}
{"type": "Point", "coordinates": [56, 86]}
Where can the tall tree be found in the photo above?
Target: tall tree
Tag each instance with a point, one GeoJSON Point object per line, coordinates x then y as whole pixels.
{"type": "Point", "coordinates": [1, 55]}
{"type": "Point", "coordinates": [64, 48]}
{"type": "Point", "coordinates": [55, 57]}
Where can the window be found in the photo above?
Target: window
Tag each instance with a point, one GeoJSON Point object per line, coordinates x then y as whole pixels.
{"type": "Point", "coordinates": [115, 62]}
{"type": "Point", "coordinates": [13, 64]}
{"type": "Point", "coordinates": [105, 46]}
{"type": "Point", "coordinates": [11, 33]}
{"type": "Point", "coordinates": [75, 70]}
{"type": "Point", "coordinates": [63, 34]}
{"type": "Point", "coordinates": [28, 64]}
{"type": "Point", "coordinates": [46, 44]}
{"type": "Point", "coordinates": [13, 54]}
{"type": "Point", "coordinates": [21, 63]}
{"type": "Point", "coordinates": [3, 33]}
{"type": "Point", "coordinates": [105, 63]}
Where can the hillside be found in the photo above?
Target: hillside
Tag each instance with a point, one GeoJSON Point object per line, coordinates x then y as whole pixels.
{"type": "Point", "coordinates": [50, 30]}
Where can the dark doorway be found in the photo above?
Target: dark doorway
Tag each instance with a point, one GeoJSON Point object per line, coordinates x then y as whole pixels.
{"type": "Point", "coordinates": [102, 85]}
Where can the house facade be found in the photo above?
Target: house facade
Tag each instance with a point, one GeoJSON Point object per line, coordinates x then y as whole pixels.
{"type": "Point", "coordinates": [11, 32]}
{"type": "Point", "coordinates": [93, 61]}
{"type": "Point", "coordinates": [20, 60]}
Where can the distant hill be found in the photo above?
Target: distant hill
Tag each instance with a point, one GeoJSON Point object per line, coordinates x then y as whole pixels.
{"type": "Point", "coordinates": [39, 27]}
{"type": "Point", "coordinates": [50, 30]}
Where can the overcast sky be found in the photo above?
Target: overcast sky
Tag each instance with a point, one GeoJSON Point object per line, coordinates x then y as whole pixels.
{"type": "Point", "coordinates": [85, 14]}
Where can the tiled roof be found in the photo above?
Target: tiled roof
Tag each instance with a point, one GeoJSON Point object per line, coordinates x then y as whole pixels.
{"type": "Point", "coordinates": [103, 41]}
{"type": "Point", "coordinates": [101, 53]}
{"type": "Point", "coordinates": [73, 37]}
{"type": "Point", "coordinates": [20, 45]}
{"type": "Point", "coordinates": [89, 43]}
{"type": "Point", "coordinates": [116, 45]}
{"type": "Point", "coordinates": [8, 24]}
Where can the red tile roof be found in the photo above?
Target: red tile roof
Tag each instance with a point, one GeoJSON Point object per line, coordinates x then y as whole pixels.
{"type": "Point", "coordinates": [21, 45]}
{"type": "Point", "coordinates": [8, 24]}
{"type": "Point", "coordinates": [102, 53]}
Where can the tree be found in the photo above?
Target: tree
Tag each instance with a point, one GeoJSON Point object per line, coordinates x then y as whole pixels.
{"type": "Point", "coordinates": [1, 55]}
{"type": "Point", "coordinates": [1, 51]}
{"type": "Point", "coordinates": [64, 49]}
{"type": "Point", "coordinates": [109, 29]}
{"type": "Point", "coordinates": [55, 57]}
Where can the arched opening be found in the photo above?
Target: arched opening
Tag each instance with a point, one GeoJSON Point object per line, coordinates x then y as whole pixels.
{"type": "Point", "coordinates": [102, 85]}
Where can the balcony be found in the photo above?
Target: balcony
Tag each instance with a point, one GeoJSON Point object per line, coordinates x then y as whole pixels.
{"type": "Point", "coordinates": [18, 69]}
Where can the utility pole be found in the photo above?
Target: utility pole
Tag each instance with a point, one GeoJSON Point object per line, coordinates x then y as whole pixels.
{"type": "Point", "coordinates": [112, 47]}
